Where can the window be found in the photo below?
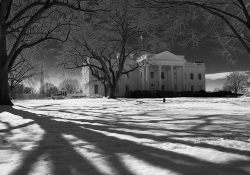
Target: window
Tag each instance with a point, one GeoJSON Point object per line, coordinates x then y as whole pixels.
{"type": "Point", "coordinates": [127, 75]}
{"type": "Point", "coordinates": [152, 75]}
{"type": "Point", "coordinates": [117, 89]}
{"type": "Point", "coordinates": [162, 87]}
{"type": "Point", "coordinates": [191, 76]}
{"type": "Point", "coordinates": [152, 86]}
{"type": "Point", "coordinates": [162, 75]}
{"type": "Point", "coordinates": [199, 76]}
{"type": "Point", "coordinates": [192, 88]}
{"type": "Point", "coordinates": [141, 74]}
{"type": "Point", "coordinates": [200, 87]}
{"type": "Point", "coordinates": [127, 88]}
{"type": "Point", "coordinates": [96, 88]}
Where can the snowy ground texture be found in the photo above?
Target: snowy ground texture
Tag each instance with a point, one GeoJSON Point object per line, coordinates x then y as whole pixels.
{"type": "Point", "coordinates": [184, 136]}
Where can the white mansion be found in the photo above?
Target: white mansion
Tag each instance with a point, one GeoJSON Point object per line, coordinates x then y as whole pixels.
{"type": "Point", "coordinates": [163, 71]}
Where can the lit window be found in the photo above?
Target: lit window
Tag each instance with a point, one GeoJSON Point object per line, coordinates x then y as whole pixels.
{"type": "Point", "coordinates": [191, 76]}
{"type": "Point", "coordinates": [162, 75]}
{"type": "Point", "coordinates": [152, 75]}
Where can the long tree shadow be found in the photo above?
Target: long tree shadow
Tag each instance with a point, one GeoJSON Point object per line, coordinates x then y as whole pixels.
{"type": "Point", "coordinates": [110, 148]}
{"type": "Point", "coordinates": [193, 132]}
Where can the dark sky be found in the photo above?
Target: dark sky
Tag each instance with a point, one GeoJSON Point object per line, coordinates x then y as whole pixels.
{"type": "Point", "coordinates": [214, 63]}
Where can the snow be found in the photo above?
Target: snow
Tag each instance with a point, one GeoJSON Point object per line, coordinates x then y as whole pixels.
{"type": "Point", "coordinates": [221, 75]}
{"type": "Point", "coordinates": [194, 136]}
{"type": "Point", "coordinates": [216, 76]}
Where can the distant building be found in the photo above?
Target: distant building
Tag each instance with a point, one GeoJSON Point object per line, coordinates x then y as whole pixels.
{"type": "Point", "coordinates": [163, 71]}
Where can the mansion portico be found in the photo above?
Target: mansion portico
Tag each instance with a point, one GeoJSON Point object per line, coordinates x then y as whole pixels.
{"type": "Point", "coordinates": [163, 71]}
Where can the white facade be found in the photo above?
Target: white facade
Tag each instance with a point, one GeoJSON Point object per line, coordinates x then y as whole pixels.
{"type": "Point", "coordinates": [163, 71]}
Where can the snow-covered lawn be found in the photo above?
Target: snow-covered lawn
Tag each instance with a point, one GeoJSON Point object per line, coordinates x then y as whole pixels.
{"type": "Point", "coordinates": [184, 136]}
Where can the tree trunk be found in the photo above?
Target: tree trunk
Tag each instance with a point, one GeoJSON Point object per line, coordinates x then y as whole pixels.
{"type": "Point", "coordinates": [105, 90]}
{"type": "Point", "coordinates": [4, 87]}
{"type": "Point", "coordinates": [236, 90]}
{"type": "Point", "coordinates": [112, 92]}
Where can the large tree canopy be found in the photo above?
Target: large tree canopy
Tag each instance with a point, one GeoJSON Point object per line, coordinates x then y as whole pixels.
{"type": "Point", "coordinates": [110, 41]}
{"type": "Point", "coordinates": [25, 67]}
{"type": "Point", "coordinates": [24, 24]}
{"type": "Point", "coordinates": [227, 22]}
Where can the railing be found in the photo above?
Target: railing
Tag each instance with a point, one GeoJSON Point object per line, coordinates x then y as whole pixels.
{"type": "Point", "coordinates": [195, 64]}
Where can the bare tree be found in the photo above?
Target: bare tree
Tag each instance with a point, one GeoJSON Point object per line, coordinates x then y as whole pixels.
{"type": "Point", "coordinates": [25, 67]}
{"type": "Point", "coordinates": [50, 89]}
{"type": "Point", "coordinates": [227, 22]}
{"type": "Point", "coordinates": [235, 81]}
{"type": "Point", "coordinates": [110, 42]}
{"type": "Point", "coordinates": [71, 85]}
{"type": "Point", "coordinates": [24, 24]}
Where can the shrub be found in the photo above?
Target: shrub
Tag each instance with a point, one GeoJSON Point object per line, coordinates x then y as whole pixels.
{"type": "Point", "coordinates": [150, 94]}
{"type": "Point", "coordinates": [170, 94]}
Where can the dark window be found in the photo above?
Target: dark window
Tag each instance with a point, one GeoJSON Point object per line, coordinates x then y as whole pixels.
{"type": "Point", "coordinates": [162, 75]}
{"type": "Point", "coordinates": [141, 74]}
{"type": "Point", "coordinates": [152, 75]}
{"type": "Point", "coordinates": [191, 76]}
{"type": "Point", "coordinates": [200, 87]}
{"type": "Point", "coordinates": [127, 88]}
{"type": "Point", "coordinates": [162, 87]}
{"type": "Point", "coordinates": [199, 76]}
{"type": "Point", "coordinates": [192, 88]}
{"type": "Point", "coordinates": [153, 85]}
{"type": "Point", "coordinates": [96, 88]}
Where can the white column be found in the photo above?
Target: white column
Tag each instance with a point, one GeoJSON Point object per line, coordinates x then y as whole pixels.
{"type": "Point", "coordinates": [143, 78]}
{"type": "Point", "coordinates": [159, 78]}
{"type": "Point", "coordinates": [147, 77]}
{"type": "Point", "coordinates": [172, 78]}
{"type": "Point", "coordinates": [183, 78]}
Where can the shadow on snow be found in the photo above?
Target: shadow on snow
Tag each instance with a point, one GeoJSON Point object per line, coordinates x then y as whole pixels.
{"type": "Point", "coordinates": [110, 147]}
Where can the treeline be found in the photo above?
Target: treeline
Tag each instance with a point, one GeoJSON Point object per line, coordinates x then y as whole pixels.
{"type": "Point", "coordinates": [25, 91]}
